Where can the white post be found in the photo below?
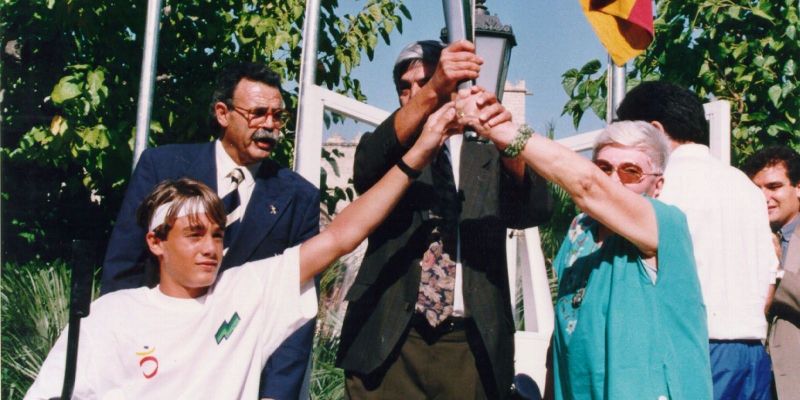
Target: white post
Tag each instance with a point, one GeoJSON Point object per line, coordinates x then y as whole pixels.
{"type": "Point", "coordinates": [308, 141]}
{"type": "Point", "coordinates": [524, 250]}
{"type": "Point", "coordinates": [718, 114]}
{"type": "Point", "coordinates": [147, 79]}
{"type": "Point", "coordinates": [615, 82]}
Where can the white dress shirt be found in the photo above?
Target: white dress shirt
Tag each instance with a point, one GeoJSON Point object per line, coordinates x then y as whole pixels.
{"type": "Point", "coordinates": [225, 165]}
{"type": "Point", "coordinates": [454, 146]}
{"type": "Point", "coordinates": [732, 241]}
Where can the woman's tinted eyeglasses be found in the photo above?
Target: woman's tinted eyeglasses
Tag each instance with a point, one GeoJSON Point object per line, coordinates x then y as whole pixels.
{"type": "Point", "coordinates": [627, 172]}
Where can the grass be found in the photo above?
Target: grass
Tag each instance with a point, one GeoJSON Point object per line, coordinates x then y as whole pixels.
{"type": "Point", "coordinates": [35, 308]}
{"type": "Point", "coordinates": [327, 381]}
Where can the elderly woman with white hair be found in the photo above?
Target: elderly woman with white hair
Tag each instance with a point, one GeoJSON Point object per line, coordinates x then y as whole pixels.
{"type": "Point", "coordinates": [630, 319]}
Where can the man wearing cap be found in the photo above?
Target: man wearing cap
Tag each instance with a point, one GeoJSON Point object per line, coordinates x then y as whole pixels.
{"type": "Point", "coordinates": [429, 312]}
{"type": "Point", "coordinates": [270, 208]}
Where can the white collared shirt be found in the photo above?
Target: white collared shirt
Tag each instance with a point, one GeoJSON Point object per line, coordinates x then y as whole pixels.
{"type": "Point", "coordinates": [732, 241]}
{"type": "Point", "coordinates": [225, 165]}
{"type": "Point", "coordinates": [454, 146]}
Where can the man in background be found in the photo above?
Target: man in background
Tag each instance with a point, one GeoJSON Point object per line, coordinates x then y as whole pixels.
{"type": "Point", "coordinates": [730, 232]}
{"type": "Point", "coordinates": [776, 171]}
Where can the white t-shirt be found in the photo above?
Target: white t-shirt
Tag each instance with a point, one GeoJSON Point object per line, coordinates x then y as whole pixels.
{"type": "Point", "coordinates": [732, 241]}
{"type": "Point", "coordinates": [142, 344]}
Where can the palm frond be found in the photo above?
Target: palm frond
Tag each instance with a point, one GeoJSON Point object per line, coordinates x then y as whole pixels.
{"type": "Point", "coordinates": [35, 309]}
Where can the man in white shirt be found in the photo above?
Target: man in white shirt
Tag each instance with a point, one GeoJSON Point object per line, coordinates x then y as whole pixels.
{"type": "Point", "coordinates": [196, 335]}
{"type": "Point", "coordinates": [732, 242]}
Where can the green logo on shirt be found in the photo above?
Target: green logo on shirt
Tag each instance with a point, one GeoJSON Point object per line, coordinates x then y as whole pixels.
{"type": "Point", "coordinates": [226, 328]}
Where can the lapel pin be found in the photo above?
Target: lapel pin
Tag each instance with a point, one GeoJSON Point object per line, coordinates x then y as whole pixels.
{"type": "Point", "coordinates": [272, 209]}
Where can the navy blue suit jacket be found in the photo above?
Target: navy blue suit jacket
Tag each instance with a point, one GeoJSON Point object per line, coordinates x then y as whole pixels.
{"type": "Point", "coordinates": [262, 234]}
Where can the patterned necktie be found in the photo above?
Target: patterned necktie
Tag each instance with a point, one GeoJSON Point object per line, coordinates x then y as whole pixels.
{"type": "Point", "coordinates": [233, 207]}
{"type": "Point", "coordinates": [783, 243]}
{"type": "Point", "coordinates": [438, 275]}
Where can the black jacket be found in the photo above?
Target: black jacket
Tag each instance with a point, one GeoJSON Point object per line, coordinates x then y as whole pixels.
{"type": "Point", "coordinates": [384, 293]}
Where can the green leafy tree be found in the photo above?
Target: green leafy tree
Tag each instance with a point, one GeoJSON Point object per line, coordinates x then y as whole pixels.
{"type": "Point", "coordinates": [70, 79]}
{"type": "Point", "coordinates": [743, 51]}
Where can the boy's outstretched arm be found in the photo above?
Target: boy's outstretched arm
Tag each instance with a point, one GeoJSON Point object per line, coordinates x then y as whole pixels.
{"type": "Point", "coordinates": [360, 218]}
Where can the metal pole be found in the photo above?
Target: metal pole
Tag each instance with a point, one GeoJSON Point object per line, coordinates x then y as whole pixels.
{"type": "Point", "coordinates": [615, 82]}
{"type": "Point", "coordinates": [147, 79]}
{"type": "Point", "coordinates": [308, 160]}
{"type": "Point", "coordinates": [459, 18]}
{"type": "Point", "coordinates": [308, 79]}
{"type": "Point", "coordinates": [83, 261]}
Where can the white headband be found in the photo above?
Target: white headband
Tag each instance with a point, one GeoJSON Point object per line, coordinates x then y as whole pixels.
{"type": "Point", "coordinates": [190, 206]}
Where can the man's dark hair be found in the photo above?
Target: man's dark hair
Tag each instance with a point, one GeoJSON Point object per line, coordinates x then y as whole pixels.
{"type": "Point", "coordinates": [230, 77]}
{"type": "Point", "coordinates": [771, 156]}
{"type": "Point", "coordinates": [425, 51]}
{"type": "Point", "coordinates": [677, 109]}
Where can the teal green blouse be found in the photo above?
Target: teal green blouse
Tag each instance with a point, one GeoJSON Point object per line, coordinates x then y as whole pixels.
{"type": "Point", "coordinates": [620, 334]}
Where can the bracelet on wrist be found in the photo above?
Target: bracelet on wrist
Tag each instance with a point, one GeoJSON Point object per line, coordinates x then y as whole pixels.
{"type": "Point", "coordinates": [518, 143]}
{"type": "Point", "coordinates": [410, 172]}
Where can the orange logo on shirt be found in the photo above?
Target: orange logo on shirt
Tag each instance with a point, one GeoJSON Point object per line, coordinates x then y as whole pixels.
{"type": "Point", "coordinates": [148, 362]}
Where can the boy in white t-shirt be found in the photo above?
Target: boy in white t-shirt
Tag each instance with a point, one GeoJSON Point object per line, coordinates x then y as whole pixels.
{"type": "Point", "coordinates": [196, 336]}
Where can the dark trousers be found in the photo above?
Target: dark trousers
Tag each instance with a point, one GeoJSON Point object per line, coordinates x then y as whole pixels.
{"type": "Point", "coordinates": [430, 364]}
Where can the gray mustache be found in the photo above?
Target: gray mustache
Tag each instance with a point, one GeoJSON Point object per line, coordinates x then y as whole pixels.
{"type": "Point", "coordinates": [267, 135]}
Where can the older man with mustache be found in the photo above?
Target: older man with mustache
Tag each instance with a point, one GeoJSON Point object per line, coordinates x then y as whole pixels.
{"type": "Point", "coordinates": [269, 208]}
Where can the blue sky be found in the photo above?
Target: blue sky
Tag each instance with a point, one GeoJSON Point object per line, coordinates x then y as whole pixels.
{"type": "Point", "coordinates": [552, 36]}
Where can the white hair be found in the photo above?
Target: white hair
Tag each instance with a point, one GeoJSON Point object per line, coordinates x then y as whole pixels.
{"type": "Point", "coordinates": [640, 135]}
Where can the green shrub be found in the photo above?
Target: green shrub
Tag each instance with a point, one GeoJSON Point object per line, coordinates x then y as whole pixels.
{"type": "Point", "coordinates": [35, 308]}
{"type": "Point", "coordinates": [327, 381]}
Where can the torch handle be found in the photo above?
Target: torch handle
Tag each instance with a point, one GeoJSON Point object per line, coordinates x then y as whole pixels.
{"type": "Point", "coordinates": [80, 297]}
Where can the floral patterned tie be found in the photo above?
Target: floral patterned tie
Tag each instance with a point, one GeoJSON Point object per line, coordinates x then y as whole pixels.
{"type": "Point", "coordinates": [438, 275]}
{"type": "Point", "coordinates": [437, 285]}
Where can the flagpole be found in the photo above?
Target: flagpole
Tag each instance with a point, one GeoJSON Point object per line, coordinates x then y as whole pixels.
{"type": "Point", "coordinates": [308, 141]}
{"type": "Point", "coordinates": [147, 79]}
{"type": "Point", "coordinates": [615, 82]}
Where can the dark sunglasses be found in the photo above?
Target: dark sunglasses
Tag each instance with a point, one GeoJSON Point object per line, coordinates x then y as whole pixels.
{"type": "Point", "coordinates": [627, 172]}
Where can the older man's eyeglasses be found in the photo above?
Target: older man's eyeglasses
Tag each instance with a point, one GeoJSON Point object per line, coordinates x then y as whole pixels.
{"type": "Point", "coordinates": [628, 172]}
{"type": "Point", "coordinates": [258, 116]}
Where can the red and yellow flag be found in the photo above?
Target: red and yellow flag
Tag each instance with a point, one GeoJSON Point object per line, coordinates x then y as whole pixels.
{"type": "Point", "coordinates": [625, 27]}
